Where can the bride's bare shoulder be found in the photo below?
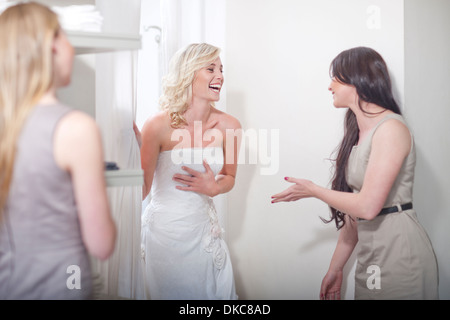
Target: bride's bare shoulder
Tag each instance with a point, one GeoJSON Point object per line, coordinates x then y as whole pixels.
{"type": "Point", "coordinates": [158, 121]}
{"type": "Point", "coordinates": [226, 120]}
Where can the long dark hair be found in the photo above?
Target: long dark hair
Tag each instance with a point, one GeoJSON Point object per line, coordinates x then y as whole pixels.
{"type": "Point", "coordinates": [366, 70]}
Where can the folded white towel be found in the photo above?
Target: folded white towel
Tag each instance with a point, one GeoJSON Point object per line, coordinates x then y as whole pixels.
{"type": "Point", "coordinates": [73, 17]}
{"type": "Point", "coordinates": [79, 18]}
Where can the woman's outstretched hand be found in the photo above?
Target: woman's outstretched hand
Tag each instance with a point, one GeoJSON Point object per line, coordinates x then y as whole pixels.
{"type": "Point", "coordinates": [300, 189]}
{"type": "Point", "coordinates": [201, 182]}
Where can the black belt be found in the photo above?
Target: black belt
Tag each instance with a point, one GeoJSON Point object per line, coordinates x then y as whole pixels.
{"type": "Point", "coordinates": [393, 209]}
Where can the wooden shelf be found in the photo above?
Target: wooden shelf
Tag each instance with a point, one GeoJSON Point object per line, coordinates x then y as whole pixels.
{"type": "Point", "coordinates": [97, 42]}
{"type": "Point", "coordinates": [121, 178]}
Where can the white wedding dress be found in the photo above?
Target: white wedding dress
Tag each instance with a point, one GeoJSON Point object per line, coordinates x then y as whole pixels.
{"type": "Point", "coordinates": [184, 255]}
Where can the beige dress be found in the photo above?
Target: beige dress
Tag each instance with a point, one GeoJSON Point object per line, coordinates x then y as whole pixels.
{"type": "Point", "coordinates": [395, 258]}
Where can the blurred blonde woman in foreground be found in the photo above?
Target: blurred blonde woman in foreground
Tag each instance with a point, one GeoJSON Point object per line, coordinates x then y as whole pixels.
{"type": "Point", "coordinates": [53, 205]}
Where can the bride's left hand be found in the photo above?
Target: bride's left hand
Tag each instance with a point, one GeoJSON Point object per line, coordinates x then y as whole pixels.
{"type": "Point", "coordinates": [299, 190]}
{"type": "Point", "coordinates": [201, 182]}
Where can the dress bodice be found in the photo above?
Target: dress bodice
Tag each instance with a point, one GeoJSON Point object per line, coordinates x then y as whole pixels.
{"type": "Point", "coordinates": [164, 194]}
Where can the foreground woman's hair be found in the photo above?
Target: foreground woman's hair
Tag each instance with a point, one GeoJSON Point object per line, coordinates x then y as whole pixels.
{"type": "Point", "coordinates": [27, 33]}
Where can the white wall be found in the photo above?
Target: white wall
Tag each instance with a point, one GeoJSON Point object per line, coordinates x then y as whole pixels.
{"type": "Point", "coordinates": [149, 72]}
{"type": "Point", "coordinates": [427, 97]}
{"type": "Point", "coordinates": [278, 56]}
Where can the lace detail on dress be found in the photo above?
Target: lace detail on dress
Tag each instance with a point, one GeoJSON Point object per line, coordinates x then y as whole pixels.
{"type": "Point", "coordinates": [212, 241]}
{"type": "Point", "coordinates": [147, 218]}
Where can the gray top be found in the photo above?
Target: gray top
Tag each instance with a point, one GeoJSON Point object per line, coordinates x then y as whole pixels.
{"type": "Point", "coordinates": [42, 255]}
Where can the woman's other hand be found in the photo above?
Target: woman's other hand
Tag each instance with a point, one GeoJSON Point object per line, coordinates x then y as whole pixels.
{"type": "Point", "coordinates": [331, 286]}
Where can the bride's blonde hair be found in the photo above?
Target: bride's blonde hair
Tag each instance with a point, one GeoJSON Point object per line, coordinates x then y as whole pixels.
{"type": "Point", "coordinates": [26, 74]}
{"type": "Point", "coordinates": [177, 85]}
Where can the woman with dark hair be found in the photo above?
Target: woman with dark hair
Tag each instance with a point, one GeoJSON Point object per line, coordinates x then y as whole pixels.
{"type": "Point", "coordinates": [372, 189]}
